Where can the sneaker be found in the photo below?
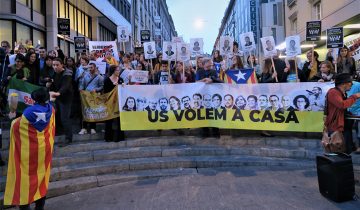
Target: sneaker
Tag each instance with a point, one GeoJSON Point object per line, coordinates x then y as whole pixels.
{"type": "Point", "coordinates": [83, 131]}
{"type": "Point", "coordinates": [93, 131]}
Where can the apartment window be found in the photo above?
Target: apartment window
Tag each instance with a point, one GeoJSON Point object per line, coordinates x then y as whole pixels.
{"type": "Point", "coordinates": [24, 2]}
{"type": "Point", "coordinates": [6, 31]}
{"type": "Point", "coordinates": [37, 5]}
{"type": "Point", "coordinates": [294, 25]}
{"type": "Point", "coordinates": [22, 32]}
{"type": "Point", "coordinates": [273, 31]}
{"type": "Point", "coordinates": [275, 14]}
{"type": "Point", "coordinates": [317, 10]}
{"type": "Point", "coordinates": [38, 36]}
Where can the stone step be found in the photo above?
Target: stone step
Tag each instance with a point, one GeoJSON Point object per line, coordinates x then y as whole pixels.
{"type": "Point", "coordinates": [116, 151]}
{"type": "Point", "coordinates": [154, 163]}
{"type": "Point", "coordinates": [58, 188]}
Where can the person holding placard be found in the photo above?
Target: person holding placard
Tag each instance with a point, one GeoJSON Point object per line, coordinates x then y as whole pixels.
{"type": "Point", "coordinates": [312, 66]}
{"type": "Point", "coordinates": [268, 74]}
{"type": "Point", "coordinates": [290, 73]}
{"type": "Point", "coordinates": [326, 74]}
{"type": "Point", "coordinates": [164, 76]}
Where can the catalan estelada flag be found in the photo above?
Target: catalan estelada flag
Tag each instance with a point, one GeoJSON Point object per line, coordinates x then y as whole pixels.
{"type": "Point", "coordinates": [30, 155]}
{"type": "Point", "coordinates": [241, 76]}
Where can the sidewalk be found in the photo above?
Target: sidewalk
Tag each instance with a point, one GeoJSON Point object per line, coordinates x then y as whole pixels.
{"type": "Point", "coordinates": [226, 188]}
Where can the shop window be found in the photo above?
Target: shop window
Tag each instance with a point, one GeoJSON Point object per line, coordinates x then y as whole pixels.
{"type": "Point", "coordinates": [6, 31]}
{"type": "Point", "coordinates": [37, 5]}
{"type": "Point", "coordinates": [72, 18]}
{"type": "Point", "coordinates": [61, 9]}
{"type": "Point", "coordinates": [38, 36]}
{"type": "Point", "coordinates": [22, 33]}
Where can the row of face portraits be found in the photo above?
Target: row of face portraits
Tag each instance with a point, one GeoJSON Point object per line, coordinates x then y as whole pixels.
{"type": "Point", "coordinates": [314, 101]}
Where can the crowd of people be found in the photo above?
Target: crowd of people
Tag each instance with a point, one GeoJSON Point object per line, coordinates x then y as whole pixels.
{"type": "Point", "coordinates": [67, 76]}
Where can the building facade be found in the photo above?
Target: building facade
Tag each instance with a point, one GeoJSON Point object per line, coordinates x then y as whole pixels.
{"type": "Point", "coordinates": [37, 20]}
{"type": "Point", "coordinates": [262, 17]}
{"type": "Point", "coordinates": [152, 15]}
{"type": "Point", "coordinates": [345, 13]}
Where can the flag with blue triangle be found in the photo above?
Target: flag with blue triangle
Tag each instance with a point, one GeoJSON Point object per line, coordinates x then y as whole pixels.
{"type": "Point", "coordinates": [241, 76]}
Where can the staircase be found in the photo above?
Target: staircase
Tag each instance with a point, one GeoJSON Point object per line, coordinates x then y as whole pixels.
{"type": "Point", "coordinates": [91, 162]}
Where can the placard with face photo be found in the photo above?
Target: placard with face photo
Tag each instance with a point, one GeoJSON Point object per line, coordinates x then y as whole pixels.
{"type": "Point", "coordinates": [293, 46]}
{"type": "Point", "coordinates": [226, 45]}
{"type": "Point", "coordinates": [183, 52]}
{"type": "Point", "coordinates": [268, 45]}
{"type": "Point", "coordinates": [123, 33]}
{"type": "Point", "coordinates": [169, 51]}
{"type": "Point", "coordinates": [149, 50]}
{"type": "Point", "coordinates": [247, 41]}
{"type": "Point", "coordinates": [196, 46]}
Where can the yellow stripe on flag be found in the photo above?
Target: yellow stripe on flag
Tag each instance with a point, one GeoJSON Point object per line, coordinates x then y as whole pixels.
{"type": "Point", "coordinates": [24, 186]}
{"type": "Point", "coordinates": [11, 173]}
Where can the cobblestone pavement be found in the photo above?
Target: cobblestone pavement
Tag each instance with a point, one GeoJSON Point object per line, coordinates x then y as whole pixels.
{"type": "Point", "coordinates": [223, 188]}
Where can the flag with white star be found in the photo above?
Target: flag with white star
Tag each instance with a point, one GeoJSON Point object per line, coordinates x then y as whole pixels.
{"type": "Point", "coordinates": [241, 76]}
{"type": "Point", "coordinates": [30, 154]}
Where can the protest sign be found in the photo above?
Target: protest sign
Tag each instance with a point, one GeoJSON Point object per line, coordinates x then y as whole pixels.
{"type": "Point", "coordinates": [196, 46]}
{"type": "Point", "coordinates": [101, 47]}
{"type": "Point", "coordinates": [169, 51]}
{"type": "Point", "coordinates": [313, 30]}
{"type": "Point", "coordinates": [225, 106]}
{"type": "Point", "coordinates": [293, 46]}
{"type": "Point", "coordinates": [122, 34]}
{"type": "Point", "coordinates": [268, 44]}
{"type": "Point", "coordinates": [226, 45]}
{"type": "Point", "coordinates": [149, 50]}
{"type": "Point", "coordinates": [80, 44]}
{"type": "Point", "coordinates": [139, 76]}
{"type": "Point", "coordinates": [125, 75]}
{"type": "Point", "coordinates": [335, 37]}
{"type": "Point", "coordinates": [97, 108]}
{"type": "Point", "coordinates": [247, 41]}
{"type": "Point", "coordinates": [145, 35]}
{"type": "Point", "coordinates": [63, 26]}
{"type": "Point", "coordinates": [183, 52]}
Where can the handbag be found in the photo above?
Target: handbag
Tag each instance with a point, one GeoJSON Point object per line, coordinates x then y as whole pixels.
{"type": "Point", "coordinates": [333, 142]}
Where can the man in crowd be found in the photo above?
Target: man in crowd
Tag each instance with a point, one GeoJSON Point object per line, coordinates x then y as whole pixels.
{"type": "Point", "coordinates": [335, 110]}
{"type": "Point", "coordinates": [94, 83]}
{"type": "Point", "coordinates": [163, 77]}
{"type": "Point", "coordinates": [62, 86]}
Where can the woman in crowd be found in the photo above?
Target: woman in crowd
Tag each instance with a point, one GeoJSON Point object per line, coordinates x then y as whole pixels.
{"type": "Point", "coordinates": [127, 63]}
{"type": "Point", "coordinates": [184, 77]}
{"type": "Point", "coordinates": [268, 74]}
{"type": "Point", "coordinates": [345, 63]}
{"type": "Point", "coordinates": [19, 71]}
{"type": "Point", "coordinates": [110, 83]}
{"type": "Point", "coordinates": [237, 63]}
{"type": "Point", "coordinates": [252, 64]}
{"type": "Point", "coordinates": [312, 66]}
{"type": "Point", "coordinates": [32, 64]}
{"type": "Point", "coordinates": [157, 63]}
{"type": "Point", "coordinates": [290, 73]}
{"type": "Point", "coordinates": [217, 57]}
{"type": "Point", "coordinates": [146, 65]}
{"type": "Point", "coordinates": [326, 73]}
{"type": "Point", "coordinates": [81, 70]}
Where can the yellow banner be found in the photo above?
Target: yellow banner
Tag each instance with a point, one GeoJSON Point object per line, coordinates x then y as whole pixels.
{"type": "Point", "coordinates": [96, 108]}
{"type": "Point", "coordinates": [223, 118]}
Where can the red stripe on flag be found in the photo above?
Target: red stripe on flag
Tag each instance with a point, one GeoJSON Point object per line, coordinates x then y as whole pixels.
{"type": "Point", "coordinates": [33, 161]}
{"type": "Point", "coordinates": [229, 80]}
{"type": "Point", "coordinates": [17, 159]}
{"type": "Point", "coordinates": [42, 187]}
{"type": "Point", "coordinates": [252, 78]}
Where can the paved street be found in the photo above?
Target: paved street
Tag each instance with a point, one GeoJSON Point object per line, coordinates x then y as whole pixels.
{"type": "Point", "coordinates": [233, 188]}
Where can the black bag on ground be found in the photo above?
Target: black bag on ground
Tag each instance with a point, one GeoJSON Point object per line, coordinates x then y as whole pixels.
{"type": "Point", "coordinates": [336, 176]}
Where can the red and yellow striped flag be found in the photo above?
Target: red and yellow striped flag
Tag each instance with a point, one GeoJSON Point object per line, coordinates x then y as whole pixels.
{"type": "Point", "coordinates": [30, 156]}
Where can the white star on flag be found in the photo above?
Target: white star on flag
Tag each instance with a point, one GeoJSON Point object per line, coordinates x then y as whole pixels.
{"type": "Point", "coordinates": [40, 116]}
{"type": "Point", "coordinates": [239, 76]}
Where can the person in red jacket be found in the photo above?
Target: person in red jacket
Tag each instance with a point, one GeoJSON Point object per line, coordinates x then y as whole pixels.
{"type": "Point", "coordinates": [337, 103]}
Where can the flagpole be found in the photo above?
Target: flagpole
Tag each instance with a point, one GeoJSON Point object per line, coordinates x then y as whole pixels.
{"type": "Point", "coordinates": [123, 45]}
{"type": "Point", "coordinates": [183, 73]}
{"type": "Point", "coordinates": [273, 65]}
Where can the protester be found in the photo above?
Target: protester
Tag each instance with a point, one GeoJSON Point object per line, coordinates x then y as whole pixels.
{"type": "Point", "coordinates": [38, 122]}
{"type": "Point", "coordinates": [292, 73]}
{"type": "Point", "coordinates": [32, 63]}
{"type": "Point", "coordinates": [355, 111]}
{"type": "Point", "coordinates": [251, 63]}
{"type": "Point", "coordinates": [42, 56]}
{"type": "Point", "coordinates": [94, 83]}
{"type": "Point", "coordinates": [19, 71]}
{"type": "Point", "coordinates": [47, 74]}
{"type": "Point", "coordinates": [345, 63]}
{"type": "Point", "coordinates": [237, 63]}
{"type": "Point", "coordinates": [268, 74]}
{"type": "Point", "coordinates": [164, 76]}
{"type": "Point", "coordinates": [110, 59]}
{"type": "Point", "coordinates": [81, 70]}
{"type": "Point", "coordinates": [208, 75]}
{"type": "Point", "coordinates": [312, 66]}
{"type": "Point", "coordinates": [109, 84]}
{"type": "Point", "coordinates": [326, 73]}
{"type": "Point", "coordinates": [188, 76]}
{"type": "Point", "coordinates": [336, 104]}
{"type": "Point", "coordinates": [62, 86]}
